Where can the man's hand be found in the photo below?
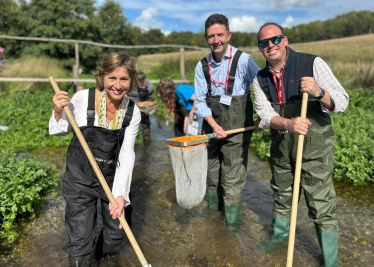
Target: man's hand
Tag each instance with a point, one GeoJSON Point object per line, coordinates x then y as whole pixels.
{"type": "Point", "coordinates": [298, 125]}
{"type": "Point", "coordinates": [117, 209]}
{"type": "Point", "coordinates": [309, 85]}
{"type": "Point", "coordinates": [218, 130]}
{"type": "Point", "coordinates": [257, 123]}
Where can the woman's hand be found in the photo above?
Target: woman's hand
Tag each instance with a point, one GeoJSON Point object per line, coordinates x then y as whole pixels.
{"type": "Point", "coordinates": [117, 209]}
{"type": "Point", "coordinates": [60, 100]}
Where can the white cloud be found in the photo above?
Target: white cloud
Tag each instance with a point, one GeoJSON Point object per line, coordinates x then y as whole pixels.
{"type": "Point", "coordinates": [166, 33]}
{"type": "Point", "coordinates": [147, 19]}
{"type": "Point", "coordinates": [289, 4]}
{"type": "Point", "coordinates": [289, 22]}
{"type": "Point", "coordinates": [245, 24]}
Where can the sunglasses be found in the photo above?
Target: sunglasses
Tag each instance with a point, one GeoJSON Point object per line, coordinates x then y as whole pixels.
{"type": "Point", "coordinates": [275, 40]}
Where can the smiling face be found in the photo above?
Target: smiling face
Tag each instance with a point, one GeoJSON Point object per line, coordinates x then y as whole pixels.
{"type": "Point", "coordinates": [117, 84]}
{"type": "Point", "coordinates": [218, 40]}
{"type": "Point", "coordinates": [274, 54]}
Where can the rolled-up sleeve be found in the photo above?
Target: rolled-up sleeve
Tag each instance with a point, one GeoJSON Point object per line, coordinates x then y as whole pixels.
{"type": "Point", "coordinates": [326, 80]}
{"type": "Point", "coordinates": [263, 107]}
{"type": "Point", "coordinates": [201, 90]}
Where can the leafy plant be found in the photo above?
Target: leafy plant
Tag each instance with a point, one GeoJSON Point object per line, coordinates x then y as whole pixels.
{"type": "Point", "coordinates": [24, 184]}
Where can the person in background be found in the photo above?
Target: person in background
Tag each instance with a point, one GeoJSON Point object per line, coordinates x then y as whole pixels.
{"type": "Point", "coordinates": [2, 60]}
{"type": "Point", "coordinates": [143, 92]}
{"type": "Point", "coordinates": [109, 122]}
{"type": "Point", "coordinates": [222, 98]}
{"type": "Point", "coordinates": [179, 100]}
{"type": "Point", "coordinates": [277, 90]}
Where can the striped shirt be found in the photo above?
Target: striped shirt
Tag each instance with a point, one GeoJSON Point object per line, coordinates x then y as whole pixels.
{"type": "Point", "coordinates": [324, 78]}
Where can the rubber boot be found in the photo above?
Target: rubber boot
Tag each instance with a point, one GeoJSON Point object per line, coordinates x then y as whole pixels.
{"type": "Point", "coordinates": [82, 261]}
{"type": "Point", "coordinates": [281, 229]}
{"type": "Point", "coordinates": [215, 200]}
{"type": "Point", "coordinates": [329, 246]}
{"type": "Point", "coordinates": [233, 213]}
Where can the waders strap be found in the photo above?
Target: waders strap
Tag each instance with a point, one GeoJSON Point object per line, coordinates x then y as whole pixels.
{"type": "Point", "coordinates": [265, 85]}
{"type": "Point", "coordinates": [129, 112]}
{"type": "Point", "coordinates": [232, 74]}
{"type": "Point", "coordinates": [91, 107]}
{"type": "Point", "coordinates": [204, 63]}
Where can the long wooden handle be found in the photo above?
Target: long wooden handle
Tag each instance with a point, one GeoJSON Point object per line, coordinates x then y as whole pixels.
{"type": "Point", "coordinates": [296, 186]}
{"type": "Point", "coordinates": [99, 174]}
{"type": "Point", "coordinates": [240, 130]}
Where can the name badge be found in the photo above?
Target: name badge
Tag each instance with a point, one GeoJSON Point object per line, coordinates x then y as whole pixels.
{"type": "Point", "coordinates": [225, 99]}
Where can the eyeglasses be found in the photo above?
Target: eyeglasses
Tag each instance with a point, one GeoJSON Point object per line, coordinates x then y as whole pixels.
{"type": "Point", "coordinates": [275, 40]}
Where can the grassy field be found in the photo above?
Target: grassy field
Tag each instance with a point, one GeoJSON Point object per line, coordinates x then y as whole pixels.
{"type": "Point", "coordinates": [345, 56]}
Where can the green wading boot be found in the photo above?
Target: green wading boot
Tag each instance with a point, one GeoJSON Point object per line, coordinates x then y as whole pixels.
{"type": "Point", "coordinates": [281, 229]}
{"type": "Point", "coordinates": [215, 200]}
{"type": "Point", "coordinates": [233, 213]}
{"type": "Point", "coordinates": [329, 246]}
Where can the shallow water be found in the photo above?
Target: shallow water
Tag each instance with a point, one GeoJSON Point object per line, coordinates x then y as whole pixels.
{"type": "Point", "coordinates": [172, 236]}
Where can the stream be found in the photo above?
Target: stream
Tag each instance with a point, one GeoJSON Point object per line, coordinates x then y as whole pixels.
{"type": "Point", "coordinates": [172, 236]}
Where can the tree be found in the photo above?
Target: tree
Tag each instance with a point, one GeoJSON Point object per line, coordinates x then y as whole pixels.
{"type": "Point", "coordinates": [63, 19]}
{"type": "Point", "coordinates": [115, 27]}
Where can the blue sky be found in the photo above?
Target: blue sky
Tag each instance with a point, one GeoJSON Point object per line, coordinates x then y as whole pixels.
{"type": "Point", "coordinates": [243, 15]}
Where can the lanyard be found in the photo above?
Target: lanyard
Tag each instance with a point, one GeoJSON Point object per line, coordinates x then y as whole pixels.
{"type": "Point", "coordinates": [280, 88]}
{"type": "Point", "coordinates": [228, 70]}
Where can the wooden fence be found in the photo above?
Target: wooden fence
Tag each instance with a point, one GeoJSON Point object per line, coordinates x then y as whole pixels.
{"type": "Point", "coordinates": [76, 79]}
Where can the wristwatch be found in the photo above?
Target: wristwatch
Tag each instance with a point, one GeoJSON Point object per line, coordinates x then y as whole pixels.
{"type": "Point", "coordinates": [321, 94]}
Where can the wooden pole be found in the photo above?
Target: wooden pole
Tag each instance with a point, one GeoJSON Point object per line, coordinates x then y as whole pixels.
{"type": "Point", "coordinates": [183, 76]}
{"type": "Point", "coordinates": [99, 174]}
{"type": "Point", "coordinates": [296, 185]}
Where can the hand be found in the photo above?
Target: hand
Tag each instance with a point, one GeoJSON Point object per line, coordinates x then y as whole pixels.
{"type": "Point", "coordinates": [298, 125]}
{"type": "Point", "coordinates": [60, 100]}
{"type": "Point", "coordinates": [190, 117]}
{"type": "Point", "coordinates": [117, 209]}
{"type": "Point", "coordinates": [309, 85]}
{"type": "Point", "coordinates": [257, 123]}
{"type": "Point", "coordinates": [218, 130]}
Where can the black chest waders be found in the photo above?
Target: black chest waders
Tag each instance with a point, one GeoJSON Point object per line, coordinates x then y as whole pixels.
{"type": "Point", "coordinates": [227, 158]}
{"type": "Point", "coordinates": [317, 162]}
{"type": "Point", "coordinates": [82, 189]}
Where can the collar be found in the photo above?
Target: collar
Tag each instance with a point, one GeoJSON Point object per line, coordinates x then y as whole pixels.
{"type": "Point", "coordinates": [227, 55]}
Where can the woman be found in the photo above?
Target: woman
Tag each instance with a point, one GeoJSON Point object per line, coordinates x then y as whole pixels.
{"type": "Point", "coordinates": [179, 100]}
{"type": "Point", "coordinates": [109, 121]}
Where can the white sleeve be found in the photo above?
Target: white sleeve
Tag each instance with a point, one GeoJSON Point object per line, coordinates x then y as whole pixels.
{"type": "Point", "coordinates": [263, 107]}
{"type": "Point", "coordinates": [326, 80]}
{"type": "Point", "coordinates": [78, 107]}
{"type": "Point", "coordinates": [126, 158]}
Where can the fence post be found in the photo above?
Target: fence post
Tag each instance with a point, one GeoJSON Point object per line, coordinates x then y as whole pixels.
{"type": "Point", "coordinates": [76, 72]}
{"type": "Point", "coordinates": [183, 76]}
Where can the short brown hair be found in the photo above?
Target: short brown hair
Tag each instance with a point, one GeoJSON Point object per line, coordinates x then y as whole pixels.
{"type": "Point", "coordinates": [141, 76]}
{"type": "Point", "coordinates": [113, 61]}
{"type": "Point", "coordinates": [217, 19]}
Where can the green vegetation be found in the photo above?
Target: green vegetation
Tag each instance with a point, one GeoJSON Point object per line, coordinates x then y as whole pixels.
{"type": "Point", "coordinates": [24, 184]}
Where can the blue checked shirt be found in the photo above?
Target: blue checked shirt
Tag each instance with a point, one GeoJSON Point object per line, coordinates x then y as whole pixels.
{"type": "Point", "coordinates": [245, 74]}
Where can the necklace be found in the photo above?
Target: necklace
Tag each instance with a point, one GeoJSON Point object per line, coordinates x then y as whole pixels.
{"type": "Point", "coordinates": [110, 110]}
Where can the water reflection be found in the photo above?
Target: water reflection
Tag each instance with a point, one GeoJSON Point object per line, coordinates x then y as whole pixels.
{"type": "Point", "coordinates": [171, 236]}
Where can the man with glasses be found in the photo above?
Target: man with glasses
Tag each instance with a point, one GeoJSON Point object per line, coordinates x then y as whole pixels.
{"type": "Point", "coordinates": [143, 92]}
{"type": "Point", "coordinates": [222, 81]}
{"type": "Point", "coordinates": [277, 90]}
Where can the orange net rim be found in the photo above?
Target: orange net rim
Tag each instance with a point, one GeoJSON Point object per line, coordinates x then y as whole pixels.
{"type": "Point", "coordinates": [189, 139]}
{"type": "Point", "coordinates": [146, 102]}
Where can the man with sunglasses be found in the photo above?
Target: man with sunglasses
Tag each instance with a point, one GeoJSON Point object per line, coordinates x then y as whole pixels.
{"type": "Point", "coordinates": [277, 89]}
{"type": "Point", "coordinates": [222, 81]}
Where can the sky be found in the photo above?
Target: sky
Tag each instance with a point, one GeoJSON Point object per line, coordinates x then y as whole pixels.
{"type": "Point", "coordinates": [243, 15]}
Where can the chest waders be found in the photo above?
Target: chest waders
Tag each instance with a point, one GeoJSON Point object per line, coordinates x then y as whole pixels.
{"type": "Point", "coordinates": [227, 158]}
{"type": "Point", "coordinates": [316, 170]}
{"type": "Point", "coordinates": [82, 190]}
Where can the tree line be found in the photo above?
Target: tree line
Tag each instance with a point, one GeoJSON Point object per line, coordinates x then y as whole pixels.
{"type": "Point", "coordinates": [82, 20]}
